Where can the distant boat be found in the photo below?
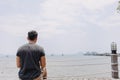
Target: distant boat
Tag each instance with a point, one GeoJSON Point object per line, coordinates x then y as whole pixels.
{"type": "Point", "coordinates": [62, 54]}
{"type": "Point", "coordinates": [7, 56]}
{"type": "Point", "coordinates": [52, 54]}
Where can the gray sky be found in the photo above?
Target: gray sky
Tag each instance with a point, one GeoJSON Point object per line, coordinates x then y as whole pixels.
{"type": "Point", "coordinates": [64, 26]}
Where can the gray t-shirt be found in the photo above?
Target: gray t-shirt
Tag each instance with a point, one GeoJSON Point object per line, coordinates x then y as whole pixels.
{"type": "Point", "coordinates": [30, 55]}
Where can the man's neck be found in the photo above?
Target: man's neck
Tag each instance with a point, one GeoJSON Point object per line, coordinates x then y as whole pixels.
{"type": "Point", "coordinates": [32, 42]}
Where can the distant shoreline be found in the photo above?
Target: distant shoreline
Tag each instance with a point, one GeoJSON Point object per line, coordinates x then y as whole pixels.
{"type": "Point", "coordinates": [99, 54]}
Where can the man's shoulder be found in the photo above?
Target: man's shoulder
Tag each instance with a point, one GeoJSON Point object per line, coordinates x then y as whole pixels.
{"type": "Point", "coordinates": [39, 47]}
{"type": "Point", "coordinates": [35, 46]}
{"type": "Point", "coordinates": [22, 47]}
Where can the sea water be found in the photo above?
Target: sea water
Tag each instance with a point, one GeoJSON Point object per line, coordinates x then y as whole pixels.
{"type": "Point", "coordinates": [79, 66]}
{"type": "Point", "coordinates": [63, 66]}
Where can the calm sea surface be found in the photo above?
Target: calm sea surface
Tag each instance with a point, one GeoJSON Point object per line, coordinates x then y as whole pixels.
{"type": "Point", "coordinates": [63, 66]}
{"type": "Point", "coordinates": [93, 66]}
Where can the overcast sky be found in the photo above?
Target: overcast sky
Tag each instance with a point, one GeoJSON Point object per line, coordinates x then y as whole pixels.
{"type": "Point", "coordinates": [64, 26]}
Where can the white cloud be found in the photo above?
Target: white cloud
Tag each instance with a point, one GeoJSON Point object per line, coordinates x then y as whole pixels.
{"type": "Point", "coordinates": [71, 22]}
{"type": "Point", "coordinates": [20, 25]}
{"type": "Point", "coordinates": [110, 22]}
{"type": "Point", "coordinates": [55, 13]}
{"type": "Point", "coordinates": [3, 2]}
{"type": "Point", "coordinates": [96, 4]}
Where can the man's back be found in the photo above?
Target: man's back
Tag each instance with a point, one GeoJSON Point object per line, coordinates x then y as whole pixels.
{"type": "Point", "coordinates": [30, 55]}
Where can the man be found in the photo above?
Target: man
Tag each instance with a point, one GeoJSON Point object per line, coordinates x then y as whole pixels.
{"type": "Point", "coordinates": [30, 58]}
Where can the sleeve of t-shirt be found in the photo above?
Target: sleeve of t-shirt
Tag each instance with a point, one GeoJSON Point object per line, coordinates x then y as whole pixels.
{"type": "Point", "coordinates": [42, 52]}
{"type": "Point", "coordinates": [18, 53]}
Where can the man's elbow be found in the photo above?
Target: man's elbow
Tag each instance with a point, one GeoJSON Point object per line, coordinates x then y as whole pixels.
{"type": "Point", "coordinates": [18, 66]}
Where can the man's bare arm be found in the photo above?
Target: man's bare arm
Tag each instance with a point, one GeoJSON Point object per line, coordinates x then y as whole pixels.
{"type": "Point", "coordinates": [18, 62]}
{"type": "Point", "coordinates": [43, 66]}
{"type": "Point", "coordinates": [43, 61]}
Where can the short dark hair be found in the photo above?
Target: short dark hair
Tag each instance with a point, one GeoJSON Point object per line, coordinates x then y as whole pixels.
{"type": "Point", "coordinates": [32, 35]}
